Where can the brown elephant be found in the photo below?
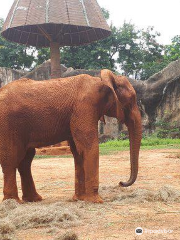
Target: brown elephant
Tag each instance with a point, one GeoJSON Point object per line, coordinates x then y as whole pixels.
{"type": "Point", "coordinates": [41, 113]}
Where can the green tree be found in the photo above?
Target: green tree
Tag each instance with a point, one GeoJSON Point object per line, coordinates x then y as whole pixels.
{"type": "Point", "coordinates": [129, 54]}
{"type": "Point", "coordinates": [15, 56]}
{"type": "Point", "coordinates": [152, 53]}
{"type": "Point", "coordinates": [140, 54]}
{"type": "Point", "coordinates": [160, 56]}
{"type": "Point", "coordinates": [43, 54]}
{"type": "Point", "coordinates": [134, 51]}
{"type": "Point", "coordinates": [172, 51]}
{"type": "Point", "coordinates": [97, 55]}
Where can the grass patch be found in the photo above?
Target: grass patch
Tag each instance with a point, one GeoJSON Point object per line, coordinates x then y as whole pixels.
{"type": "Point", "coordinates": [114, 146]}
{"type": "Point", "coordinates": [147, 143]}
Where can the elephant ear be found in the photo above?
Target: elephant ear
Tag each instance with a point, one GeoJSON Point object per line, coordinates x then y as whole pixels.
{"type": "Point", "coordinates": [109, 79]}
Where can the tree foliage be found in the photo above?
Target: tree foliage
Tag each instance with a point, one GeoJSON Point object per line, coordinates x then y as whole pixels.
{"type": "Point", "coordinates": [43, 54]}
{"type": "Point", "coordinates": [172, 51]}
{"type": "Point", "coordinates": [133, 52]}
{"type": "Point", "coordinates": [130, 51]}
{"type": "Point", "coordinates": [15, 56]}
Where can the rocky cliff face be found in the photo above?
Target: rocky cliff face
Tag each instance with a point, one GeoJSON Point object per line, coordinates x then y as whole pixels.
{"type": "Point", "coordinates": [169, 106]}
{"type": "Point", "coordinates": [43, 71]}
{"type": "Point", "coordinates": [161, 95]}
{"type": "Point", "coordinates": [8, 75]}
{"type": "Point", "coordinates": [158, 96]}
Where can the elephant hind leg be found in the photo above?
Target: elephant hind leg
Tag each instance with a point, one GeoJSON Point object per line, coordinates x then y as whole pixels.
{"type": "Point", "coordinates": [27, 183]}
{"type": "Point", "coordinates": [10, 187]}
{"type": "Point", "coordinates": [79, 172]}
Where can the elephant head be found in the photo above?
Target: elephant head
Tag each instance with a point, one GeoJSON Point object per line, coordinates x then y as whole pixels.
{"type": "Point", "coordinates": [125, 109]}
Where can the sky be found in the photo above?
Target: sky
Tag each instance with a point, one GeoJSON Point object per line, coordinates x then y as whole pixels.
{"type": "Point", "coordinates": [162, 14]}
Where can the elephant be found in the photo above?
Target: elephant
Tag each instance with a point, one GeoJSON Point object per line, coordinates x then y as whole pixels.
{"type": "Point", "coordinates": [40, 113]}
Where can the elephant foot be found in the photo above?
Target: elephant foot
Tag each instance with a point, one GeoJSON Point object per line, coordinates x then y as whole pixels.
{"type": "Point", "coordinates": [88, 198]}
{"type": "Point", "coordinates": [33, 198]}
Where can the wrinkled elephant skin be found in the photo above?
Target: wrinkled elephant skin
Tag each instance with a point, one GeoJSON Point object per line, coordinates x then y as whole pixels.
{"type": "Point", "coordinates": [41, 113]}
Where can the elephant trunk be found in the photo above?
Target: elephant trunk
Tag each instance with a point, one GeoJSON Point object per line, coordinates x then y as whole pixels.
{"type": "Point", "coordinates": [133, 123]}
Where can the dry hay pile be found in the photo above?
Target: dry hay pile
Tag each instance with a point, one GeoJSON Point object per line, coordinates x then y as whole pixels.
{"type": "Point", "coordinates": [26, 216]}
{"type": "Point", "coordinates": [53, 216]}
{"type": "Point", "coordinates": [126, 196]}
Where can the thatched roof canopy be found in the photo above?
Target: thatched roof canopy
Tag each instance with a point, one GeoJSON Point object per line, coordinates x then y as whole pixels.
{"type": "Point", "coordinates": [68, 22]}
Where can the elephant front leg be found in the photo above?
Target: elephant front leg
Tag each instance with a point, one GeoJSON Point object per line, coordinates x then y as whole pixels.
{"type": "Point", "coordinates": [84, 129]}
{"type": "Point", "coordinates": [87, 172]}
{"type": "Point", "coordinates": [91, 168]}
{"type": "Point", "coordinates": [10, 187]}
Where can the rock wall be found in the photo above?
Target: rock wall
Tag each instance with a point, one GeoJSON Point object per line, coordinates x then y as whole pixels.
{"type": "Point", "coordinates": [8, 75]}
{"type": "Point", "coordinates": [161, 98]}
{"type": "Point", "coordinates": [111, 128]}
{"type": "Point", "coordinates": [169, 106]}
{"type": "Point", "coordinates": [43, 71]}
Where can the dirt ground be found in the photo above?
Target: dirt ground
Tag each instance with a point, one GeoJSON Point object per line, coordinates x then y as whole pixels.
{"type": "Point", "coordinates": [152, 203]}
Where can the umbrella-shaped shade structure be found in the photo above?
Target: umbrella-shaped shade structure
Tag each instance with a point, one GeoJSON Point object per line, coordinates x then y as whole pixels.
{"type": "Point", "coordinates": [55, 23]}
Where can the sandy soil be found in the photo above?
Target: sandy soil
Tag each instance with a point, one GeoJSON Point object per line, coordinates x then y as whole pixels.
{"type": "Point", "coordinates": [123, 210]}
